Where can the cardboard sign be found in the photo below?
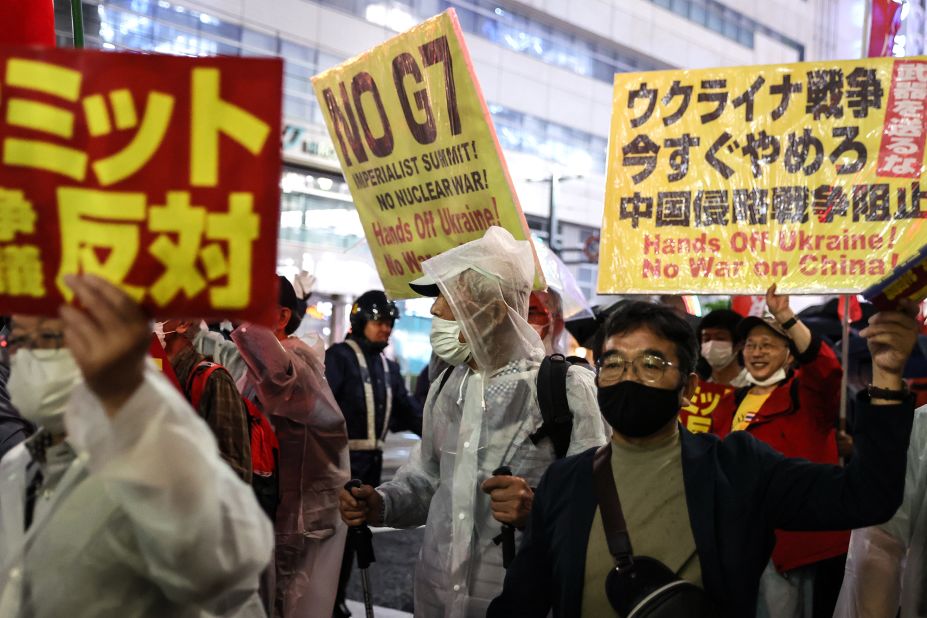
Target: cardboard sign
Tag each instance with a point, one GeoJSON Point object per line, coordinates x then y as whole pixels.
{"type": "Point", "coordinates": [727, 180]}
{"type": "Point", "coordinates": [158, 173]}
{"type": "Point", "coordinates": [908, 282]}
{"type": "Point", "coordinates": [418, 149]}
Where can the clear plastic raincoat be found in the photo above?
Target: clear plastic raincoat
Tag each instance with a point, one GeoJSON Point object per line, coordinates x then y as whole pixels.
{"type": "Point", "coordinates": [289, 379]}
{"type": "Point", "coordinates": [886, 564]}
{"type": "Point", "coordinates": [144, 518]}
{"type": "Point", "coordinates": [478, 421]}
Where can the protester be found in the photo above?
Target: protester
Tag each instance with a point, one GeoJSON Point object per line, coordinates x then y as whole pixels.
{"type": "Point", "coordinates": [717, 333]}
{"type": "Point", "coordinates": [120, 505]}
{"type": "Point", "coordinates": [217, 345]}
{"type": "Point", "coordinates": [289, 381]}
{"type": "Point", "coordinates": [478, 420]}
{"type": "Point", "coordinates": [885, 568]}
{"type": "Point", "coordinates": [795, 412]}
{"type": "Point", "coordinates": [545, 314]}
{"type": "Point", "coordinates": [372, 394]}
{"type": "Point", "coordinates": [706, 508]}
{"type": "Point", "coordinates": [216, 400]}
{"type": "Point", "coordinates": [13, 427]}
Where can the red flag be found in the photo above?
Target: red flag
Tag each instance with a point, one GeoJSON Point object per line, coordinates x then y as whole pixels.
{"type": "Point", "coordinates": [886, 20]}
{"type": "Point", "coordinates": [749, 305]}
{"type": "Point", "coordinates": [27, 22]}
{"type": "Point", "coordinates": [856, 312]}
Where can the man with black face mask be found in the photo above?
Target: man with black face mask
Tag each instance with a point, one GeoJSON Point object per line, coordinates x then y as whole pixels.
{"type": "Point", "coordinates": [703, 507]}
{"type": "Point", "coordinates": [372, 395]}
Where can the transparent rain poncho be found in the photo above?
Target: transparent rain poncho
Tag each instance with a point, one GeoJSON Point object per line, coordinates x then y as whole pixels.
{"type": "Point", "coordinates": [561, 280]}
{"type": "Point", "coordinates": [886, 563]}
{"type": "Point", "coordinates": [144, 519]}
{"type": "Point", "coordinates": [477, 421]}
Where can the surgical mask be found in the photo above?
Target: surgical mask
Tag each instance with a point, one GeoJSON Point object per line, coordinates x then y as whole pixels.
{"type": "Point", "coordinates": [446, 343]}
{"type": "Point", "coordinates": [40, 384]}
{"type": "Point", "coordinates": [719, 354]}
{"type": "Point", "coordinates": [161, 334]}
{"type": "Point", "coordinates": [636, 410]}
{"type": "Point", "coordinates": [775, 378]}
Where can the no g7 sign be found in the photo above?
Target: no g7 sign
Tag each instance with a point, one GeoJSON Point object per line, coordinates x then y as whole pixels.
{"type": "Point", "coordinates": [418, 149]}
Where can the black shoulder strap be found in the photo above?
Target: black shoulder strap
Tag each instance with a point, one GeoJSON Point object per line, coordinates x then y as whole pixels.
{"type": "Point", "coordinates": [555, 408]}
{"type": "Point", "coordinates": [616, 529]}
{"type": "Point", "coordinates": [445, 376]}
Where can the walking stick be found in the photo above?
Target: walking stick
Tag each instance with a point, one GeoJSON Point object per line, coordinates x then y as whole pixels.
{"type": "Point", "coordinates": [361, 539]}
{"type": "Point", "coordinates": [507, 538]}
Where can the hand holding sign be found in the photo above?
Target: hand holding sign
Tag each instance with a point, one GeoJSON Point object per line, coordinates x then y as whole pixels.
{"type": "Point", "coordinates": [108, 336]}
{"type": "Point", "coordinates": [778, 304]}
{"type": "Point", "coordinates": [891, 336]}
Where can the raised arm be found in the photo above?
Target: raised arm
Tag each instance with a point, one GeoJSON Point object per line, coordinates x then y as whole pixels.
{"type": "Point", "coordinates": [803, 496]}
{"type": "Point", "coordinates": [201, 533]}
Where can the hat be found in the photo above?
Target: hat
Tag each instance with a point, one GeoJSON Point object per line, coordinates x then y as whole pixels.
{"type": "Point", "coordinates": [372, 305]}
{"type": "Point", "coordinates": [425, 286]}
{"type": "Point", "coordinates": [750, 322]}
{"type": "Point", "coordinates": [287, 298]}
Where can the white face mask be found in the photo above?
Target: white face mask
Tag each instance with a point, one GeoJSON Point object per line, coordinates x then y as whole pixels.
{"type": "Point", "coordinates": [40, 384]}
{"type": "Point", "coordinates": [445, 341]}
{"type": "Point", "coordinates": [719, 354]}
{"type": "Point", "coordinates": [773, 379]}
{"type": "Point", "coordinates": [161, 334]}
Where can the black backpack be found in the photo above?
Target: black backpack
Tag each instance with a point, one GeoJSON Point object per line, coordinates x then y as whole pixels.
{"type": "Point", "coordinates": [552, 399]}
{"type": "Point", "coordinates": [555, 408]}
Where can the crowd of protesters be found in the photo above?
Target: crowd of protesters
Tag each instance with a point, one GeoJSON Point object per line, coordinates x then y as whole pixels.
{"type": "Point", "coordinates": [215, 486]}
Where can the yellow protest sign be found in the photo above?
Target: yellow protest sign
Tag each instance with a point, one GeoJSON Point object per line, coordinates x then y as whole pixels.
{"type": "Point", "coordinates": [417, 149]}
{"type": "Point", "coordinates": [726, 180]}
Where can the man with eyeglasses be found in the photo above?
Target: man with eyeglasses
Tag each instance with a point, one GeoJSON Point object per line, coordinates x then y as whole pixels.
{"type": "Point", "coordinates": [791, 404]}
{"type": "Point", "coordinates": [120, 505]}
{"type": "Point", "coordinates": [704, 507]}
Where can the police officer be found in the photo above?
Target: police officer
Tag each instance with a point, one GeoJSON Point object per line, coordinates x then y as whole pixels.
{"type": "Point", "coordinates": [372, 395]}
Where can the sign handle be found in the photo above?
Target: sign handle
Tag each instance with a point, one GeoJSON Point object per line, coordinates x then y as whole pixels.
{"type": "Point", "coordinates": [77, 23]}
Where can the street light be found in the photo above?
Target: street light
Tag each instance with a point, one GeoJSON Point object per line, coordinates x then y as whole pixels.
{"type": "Point", "coordinates": [553, 182]}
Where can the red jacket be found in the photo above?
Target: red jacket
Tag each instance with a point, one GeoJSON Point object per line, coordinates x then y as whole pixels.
{"type": "Point", "coordinates": [799, 420]}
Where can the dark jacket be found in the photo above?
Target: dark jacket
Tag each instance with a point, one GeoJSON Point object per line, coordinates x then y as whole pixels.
{"type": "Point", "coordinates": [799, 419]}
{"type": "Point", "coordinates": [13, 427]}
{"type": "Point", "coordinates": [344, 377]}
{"type": "Point", "coordinates": [738, 490]}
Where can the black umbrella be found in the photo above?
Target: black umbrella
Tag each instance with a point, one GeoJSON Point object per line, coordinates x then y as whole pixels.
{"type": "Point", "coordinates": [584, 330]}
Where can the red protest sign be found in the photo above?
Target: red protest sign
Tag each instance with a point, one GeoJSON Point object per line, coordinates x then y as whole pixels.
{"type": "Point", "coordinates": [696, 417]}
{"type": "Point", "coordinates": [902, 149]}
{"type": "Point", "coordinates": [158, 173]}
{"type": "Point", "coordinates": [27, 22]}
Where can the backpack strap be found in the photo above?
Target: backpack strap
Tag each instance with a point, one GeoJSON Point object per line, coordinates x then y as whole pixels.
{"type": "Point", "coordinates": [555, 408]}
{"type": "Point", "coordinates": [196, 382]}
{"type": "Point", "coordinates": [445, 376]}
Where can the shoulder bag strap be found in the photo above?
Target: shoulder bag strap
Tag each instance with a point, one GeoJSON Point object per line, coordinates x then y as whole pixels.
{"type": "Point", "coordinates": [616, 529]}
